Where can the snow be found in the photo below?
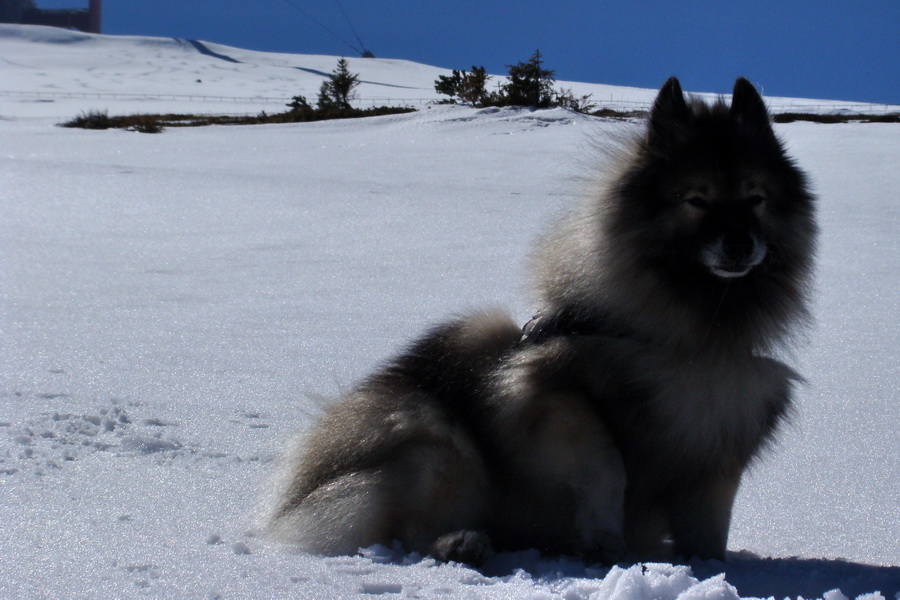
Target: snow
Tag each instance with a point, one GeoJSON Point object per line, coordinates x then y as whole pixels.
{"type": "Point", "coordinates": [53, 72]}
{"type": "Point", "coordinates": [176, 307]}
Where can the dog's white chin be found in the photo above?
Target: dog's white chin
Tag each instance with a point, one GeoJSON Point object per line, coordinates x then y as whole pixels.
{"type": "Point", "coordinates": [715, 259]}
{"type": "Point", "coordinates": [718, 272]}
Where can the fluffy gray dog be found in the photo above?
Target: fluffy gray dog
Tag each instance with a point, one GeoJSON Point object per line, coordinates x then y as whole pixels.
{"type": "Point", "coordinates": [621, 422]}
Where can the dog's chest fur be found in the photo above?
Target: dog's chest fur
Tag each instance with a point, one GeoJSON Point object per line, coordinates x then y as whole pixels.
{"type": "Point", "coordinates": [697, 413]}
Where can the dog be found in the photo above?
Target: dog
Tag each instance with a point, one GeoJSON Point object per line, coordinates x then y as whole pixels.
{"type": "Point", "coordinates": [619, 423]}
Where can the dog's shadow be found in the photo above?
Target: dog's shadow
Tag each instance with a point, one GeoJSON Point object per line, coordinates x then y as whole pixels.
{"type": "Point", "coordinates": [752, 575]}
{"type": "Point", "coordinates": [807, 577]}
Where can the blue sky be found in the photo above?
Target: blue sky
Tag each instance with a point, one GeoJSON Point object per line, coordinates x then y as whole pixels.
{"type": "Point", "coordinates": [812, 49]}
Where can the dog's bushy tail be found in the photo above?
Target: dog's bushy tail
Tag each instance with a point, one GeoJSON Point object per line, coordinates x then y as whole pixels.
{"type": "Point", "coordinates": [367, 473]}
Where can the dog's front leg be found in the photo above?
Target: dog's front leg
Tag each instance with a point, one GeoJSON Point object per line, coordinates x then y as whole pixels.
{"type": "Point", "coordinates": [568, 455]}
{"type": "Point", "coordinates": [700, 518]}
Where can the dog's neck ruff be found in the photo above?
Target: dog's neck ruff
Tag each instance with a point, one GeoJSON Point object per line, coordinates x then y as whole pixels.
{"type": "Point", "coordinates": [574, 321]}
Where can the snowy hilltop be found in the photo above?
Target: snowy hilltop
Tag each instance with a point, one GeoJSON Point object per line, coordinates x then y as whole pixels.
{"type": "Point", "coordinates": [177, 307]}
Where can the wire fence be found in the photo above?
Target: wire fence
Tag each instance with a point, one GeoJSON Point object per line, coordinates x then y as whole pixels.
{"type": "Point", "coordinates": [837, 107]}
{"type": "Point", "coordinates": [612, 103]}
{"type": "Point", "coordinates": [134, 96]}
{"type": "Point", "coordinates": [54, 95]}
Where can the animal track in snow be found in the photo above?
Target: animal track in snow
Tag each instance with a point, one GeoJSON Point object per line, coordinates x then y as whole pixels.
{"type": "Point", "coordinates": [251, 419]}
{"type": "Point", "coordinates": [55, 438]}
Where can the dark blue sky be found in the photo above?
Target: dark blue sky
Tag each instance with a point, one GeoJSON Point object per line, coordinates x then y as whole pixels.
{"type": "Point", "coordinates": [813, 49]}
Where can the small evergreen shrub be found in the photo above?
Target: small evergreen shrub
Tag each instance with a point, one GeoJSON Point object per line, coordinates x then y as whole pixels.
{"type": "Point", "coordinates": [467, 87]}
{"type": "Point", "coordinates": [527, 84]}
{"type": "Point", "coordinates": [567, 99]}
{"type": "Point", "coordinates": [93, 119]}
{"type": "Point", "coordinates": [154, 123]}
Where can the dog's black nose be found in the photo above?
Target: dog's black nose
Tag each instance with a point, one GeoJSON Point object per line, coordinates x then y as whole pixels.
{"type": "Point", "coordinates": [738, 246]}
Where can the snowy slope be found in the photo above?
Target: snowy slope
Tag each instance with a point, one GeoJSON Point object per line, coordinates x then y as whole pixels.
{"type": "Point", "coordinates": [176, 307]}
{"type": "Point", "coordinates": [43, 68]}
{"type": "Point", "coordinates": [53, 72]}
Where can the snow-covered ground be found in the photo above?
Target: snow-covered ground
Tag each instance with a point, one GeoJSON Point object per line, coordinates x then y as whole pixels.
{"type": "Point", "coordinates": [55, 72]}
{"type": "Point", "coordinates": [176, 307]}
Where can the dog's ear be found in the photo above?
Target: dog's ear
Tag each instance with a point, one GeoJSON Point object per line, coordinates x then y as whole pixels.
{"type": "Point", "coordinates": [669, 115]}
{"type": "Point", "coordinates": [748, 107]}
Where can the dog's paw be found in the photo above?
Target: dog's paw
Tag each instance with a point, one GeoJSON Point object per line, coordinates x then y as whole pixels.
{"type": "Point", "coordinates": [470, 547]}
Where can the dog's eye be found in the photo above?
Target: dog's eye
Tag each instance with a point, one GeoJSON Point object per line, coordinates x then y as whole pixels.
{"type": "Point", "coordinates": [697, 202]}
{"type": "Point", "coordinates": [756, 200]}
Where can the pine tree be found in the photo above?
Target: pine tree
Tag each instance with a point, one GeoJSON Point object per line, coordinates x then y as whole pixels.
{"type": "Point", "coordinates": [470, 88]}
{"type": "Point", "coordinates": [337, 90]}
{"type": "Point", "coordinates": [530, 84]}
{"type": "Point", "coordinates": [474, 87]}
{"type": "Point", "coordinates": [449, 85]}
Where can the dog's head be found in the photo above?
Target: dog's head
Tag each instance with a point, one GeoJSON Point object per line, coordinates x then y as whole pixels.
{"type": "Point", "coordinates": [712, 194]}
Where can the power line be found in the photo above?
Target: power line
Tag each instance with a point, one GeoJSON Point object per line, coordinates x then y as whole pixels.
{"type": "Point", "coordinates": [365, 52]}
{"type": "Point", "coordinates": [320, 24]}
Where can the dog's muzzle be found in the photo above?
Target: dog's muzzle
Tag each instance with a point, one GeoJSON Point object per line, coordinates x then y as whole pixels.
{"type": "Point", "coordinates": [732, 256]}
